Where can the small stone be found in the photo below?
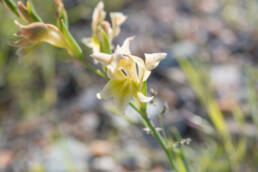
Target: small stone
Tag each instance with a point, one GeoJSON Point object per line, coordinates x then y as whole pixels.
{"type": "Point", "coordinates": [176, 75]}
{"type": "Point", "coordinates": [100, 148]}
{"type": "Point", "coordinates": [89, 121]}
{"type": "Point", "coordinates": [209, 6]}
{"type": "Point", "coordinates": [67, 150]}
{"type": "Point", "coordinates": [5, 158]}
{"type": "Point", "coordinates": [158, 169]}
{"type": "Point", "coordinates": [226, 79]}
{"type": "Point", "coordinates": [184, 49]}
{"type": "Point", "coordinates": [88, 100]}
{"type": "Point", "coordinates": [104, 164]}
{"type": "Point", "coordinates": [225, 76]}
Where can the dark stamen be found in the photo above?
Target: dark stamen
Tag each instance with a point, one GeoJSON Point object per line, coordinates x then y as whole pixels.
{"type": "Point", "coordinates": [124, 72]}
{"type": "Point", "coordinates": [137, 69]}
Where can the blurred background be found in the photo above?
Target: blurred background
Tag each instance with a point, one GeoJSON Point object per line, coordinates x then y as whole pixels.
{"type": "Point", "coordinates": [51, 121]}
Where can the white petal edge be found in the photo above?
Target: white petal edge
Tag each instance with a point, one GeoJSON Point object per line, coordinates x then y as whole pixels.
{"type": "Point", "coordinates": [143, 98]}
{"type": "Point", "coordinates": [117, 19]}
{"type": "Point", "coordinates": [98, 15]}
{"type": "Point", "coordinates": [105, 93]}
{"type": "Point", "coordinates": [102, 58]}
{"type": "Point", "coordinates": [146, 75]}
{"type": "Point", "coordinates": [87, 41]}
{"type": "Point", "coordinates": [152, 60]}
{"type": "Point", "coordinates": [125, 48]}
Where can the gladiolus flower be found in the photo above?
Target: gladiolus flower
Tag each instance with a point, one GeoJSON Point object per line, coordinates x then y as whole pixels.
{"type": "Point", "coordinates": [127, 74]}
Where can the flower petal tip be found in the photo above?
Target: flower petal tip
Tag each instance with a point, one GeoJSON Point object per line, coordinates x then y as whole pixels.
{"type": "Point", "coordinates": [17, 23]}
{"type": "Point", "coordinates": [102, 57]}
{"type": "Point", "coordinates": [144, 98]}
{"type": "Point", "coordinates": [152, 60]}
{"type": "Point", "coordinates": [98, 95]}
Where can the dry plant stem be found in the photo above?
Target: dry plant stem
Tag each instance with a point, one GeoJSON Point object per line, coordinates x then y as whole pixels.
{"type": "Point", "coordinates": [156, 134]}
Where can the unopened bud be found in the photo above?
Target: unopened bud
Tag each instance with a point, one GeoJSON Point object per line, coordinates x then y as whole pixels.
{"type": "Point", "coordinates": [24, 12]}
{"type": "Point", "coordinates": [61, 13]}
{"type": "Point", "coordinates": [37, 32]}
{"type": "Point", "coordinates": [106, 27]}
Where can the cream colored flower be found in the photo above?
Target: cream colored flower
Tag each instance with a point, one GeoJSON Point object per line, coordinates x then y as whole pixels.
{"type": "Point", "coordinates": [152, 60]}
{"type": "Point", "coordinates": [127, 74]}
{"type": "Point", "coordinates": [117, 20]}
{"type": "Point", "coordinates": [23, 11]}
{"type": "Point", "coordinates": [103, 33]}
{"type": "Point", "coordinates": [36, 33]}
{"type": "Point", "coordinates": [98, 16]}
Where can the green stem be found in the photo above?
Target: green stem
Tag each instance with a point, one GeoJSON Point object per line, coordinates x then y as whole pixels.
{"type": "Point", "coordinates": [91, 68]}
{"type": "Point", "coordinates": [77, 51]}
{"type": "Point", "coordinates": [12, 6]}
{"type": "Point", "coordinates": [161, 141]}
{"type": "Point", "coordinates": [156, 134]}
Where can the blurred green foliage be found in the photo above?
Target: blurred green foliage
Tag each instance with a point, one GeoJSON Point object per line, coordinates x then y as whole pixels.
{"type": "Point", "coordinates": [224, 151]}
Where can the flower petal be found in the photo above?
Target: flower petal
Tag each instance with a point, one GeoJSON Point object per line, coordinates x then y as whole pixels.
{"type": "Point", "coordinates": [117, 19]}
{"type": "Point", "coordinates": [122, 93]}
{"type": "Point", "coordinates": [125, 48]}
{"type": "Point", "coordinates": [92, 43]}
{"type": "Point", "coordinates": [98, 16]}
{"type": "Point", "coordinates": [146, 75]}
{"type": "Point", "coordinates": [102, 58]}
{"type": "Point", "coordinates": [87, 42]}
{"type": "Point", "coordinates": [152, 60]}
{"type": "Point", "coordinates": [139, 67]}
{"type": "Point", "coordinates": [143, 98]}
{"type": "Point", "coordinates": [106, 92]}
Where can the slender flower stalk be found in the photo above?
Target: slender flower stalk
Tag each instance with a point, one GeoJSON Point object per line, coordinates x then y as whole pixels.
{"type": "Point", "coordinates": [144, 116]}
{"type": "Point", "coordinates": [160, 139]}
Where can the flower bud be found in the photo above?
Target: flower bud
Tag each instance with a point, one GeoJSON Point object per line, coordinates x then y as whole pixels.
{"type": "Point", "coordinates": [24, 12]}
{"type": "Point", "coordinates": [103, 34]}
{"type": "Point", "coordinates": [98, 16]}
{"type": "Point", "coordinates": [37, 32]}
{"type": "Point", "coordinates": [117, 19]}
{"type": "Point", "coordinates": [61, 13]}
{"type": "Point", "coordinates": [106, 27]}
